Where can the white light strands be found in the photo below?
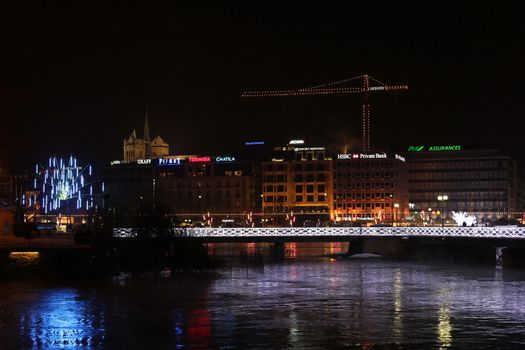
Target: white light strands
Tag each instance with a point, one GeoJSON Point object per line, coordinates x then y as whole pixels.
{"type": "Point", "coordinates": [62, 181]}
{"type": "Point", "coordinates": [463, 219]}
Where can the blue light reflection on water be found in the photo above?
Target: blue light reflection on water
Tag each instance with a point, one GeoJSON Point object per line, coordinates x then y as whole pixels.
{"type": "Point", "coordinates": [61, 318]}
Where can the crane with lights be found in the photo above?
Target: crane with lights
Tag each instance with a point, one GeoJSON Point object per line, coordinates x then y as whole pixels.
{"type": "Point", "coordinates": [368, 85]}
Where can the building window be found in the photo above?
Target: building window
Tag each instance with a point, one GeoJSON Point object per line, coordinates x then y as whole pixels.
{"type": "Point", "coordinates": [310, 198]}
{"type": "Point", "coordinates": [298, 198]}
{"type": "Point", "coordinates": [298, 188]}
{"type": "Point", "coordinates": [309, 188]}
{"type": "Point", "coordinates": [321, 188]}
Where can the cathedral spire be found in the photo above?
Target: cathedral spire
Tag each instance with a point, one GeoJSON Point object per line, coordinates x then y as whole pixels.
{"type": "Point", "coordinates": [146, 126]}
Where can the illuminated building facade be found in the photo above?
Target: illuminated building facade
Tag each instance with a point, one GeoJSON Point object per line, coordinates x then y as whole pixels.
{"type": "Point", "coordinates": [298, 180]}
{"type": "Point", "coordinates": [370, 187]}
{"type": "Point", "coordinates": [185, 185]}
{"type": "Point", "coordinates": [481, 182]}
{"type": "Point", "coordinates": [135, 148]}
{"type": "Point", "coordinates": [202, 184]}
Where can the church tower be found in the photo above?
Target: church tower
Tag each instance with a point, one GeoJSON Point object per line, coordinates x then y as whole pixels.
{"type": "Point", "coordinates": [135, 148]}
{"type": "Point", "coordinates": [147, 140]}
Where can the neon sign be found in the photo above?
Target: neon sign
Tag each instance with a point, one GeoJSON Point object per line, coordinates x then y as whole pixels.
{"type": "Point", "coordinates": [344, 156]}
{"type": "Point", "coordinates": [296, 142]}
{"type": "Point", "coordinates": [445, 148]}
{"type": "Point", "coordinates": [361, 155]}
{"type": "Point", "coordinates": [169, 161]}
{"type": "Point", "coordinates": [220, 159]}
{"type": "Point", "coordinates": [143, 161]}
{"type": "Point", "coordinates": [199, 159]}
{"type": "Point", "coordinates": [117, 162]}
{"type": "Point", "coordinates": [400, 158]}
{"type": "Point", "coordinates": [435, 148]}
{"type": "Point", "coordinates": [252, 143]}
{"type": "Point", "coordinates": [308, 149]}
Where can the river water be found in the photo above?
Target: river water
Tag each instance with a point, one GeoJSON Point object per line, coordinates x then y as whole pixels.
{"type": "Point", "coordinates": [302, 304]}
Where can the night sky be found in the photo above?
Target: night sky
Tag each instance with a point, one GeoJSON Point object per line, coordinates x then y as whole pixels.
{"type": "Point", "coordinates": [74, 78]}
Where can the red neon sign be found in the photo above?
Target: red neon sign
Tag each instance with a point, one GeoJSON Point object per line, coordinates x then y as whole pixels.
{"type": "Point", "coordinates": [199, 159]}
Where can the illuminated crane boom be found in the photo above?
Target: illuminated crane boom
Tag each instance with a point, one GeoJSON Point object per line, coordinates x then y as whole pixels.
{"type": "Point", "coordinates": [368, 86]}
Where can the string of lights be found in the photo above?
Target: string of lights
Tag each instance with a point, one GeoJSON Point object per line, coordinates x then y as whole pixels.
{"type": "Point", "coordinates": [61, 182]}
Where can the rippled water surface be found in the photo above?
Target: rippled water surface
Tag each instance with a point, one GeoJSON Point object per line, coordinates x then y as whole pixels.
{"type": "Point", "coordinates": [296, 304]}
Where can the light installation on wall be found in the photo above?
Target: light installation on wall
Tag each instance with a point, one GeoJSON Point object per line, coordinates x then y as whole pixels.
{"type": "Point", "coordinates": [64, 184]}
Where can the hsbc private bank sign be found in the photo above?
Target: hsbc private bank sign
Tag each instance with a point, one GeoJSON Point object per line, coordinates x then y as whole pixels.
{"type": "Point", "coordinates": [345, 156]}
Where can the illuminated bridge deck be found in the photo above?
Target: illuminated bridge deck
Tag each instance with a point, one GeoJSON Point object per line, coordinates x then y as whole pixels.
{"type": "Point", "coordinates": [242, 234]}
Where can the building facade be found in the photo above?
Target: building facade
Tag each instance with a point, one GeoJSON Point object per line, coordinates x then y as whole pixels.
{"type": "Point", "coordinates": [370, 187]}
{"type": "Point", "coordinates": [481, 182]}
{"type": "Point", "coordinates": [206, 184]}
{"type": "Point", "coordinates": [298, 180]}
{"type": "Point", "coordinates": [184, 185]}
{"type": "Point", "coordinates": [129, 185]}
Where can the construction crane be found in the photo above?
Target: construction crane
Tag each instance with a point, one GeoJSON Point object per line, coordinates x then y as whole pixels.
{"type": "Point", "coordinates": [368, 86]}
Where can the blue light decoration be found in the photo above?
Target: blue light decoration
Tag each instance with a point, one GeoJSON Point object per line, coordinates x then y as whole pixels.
{"type": "Point", "coordinates": [63, 182]}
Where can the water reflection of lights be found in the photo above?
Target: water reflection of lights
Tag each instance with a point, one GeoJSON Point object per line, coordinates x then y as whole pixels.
{"type": "Point", "coordinates": [251, 248]}
{"type": "Point", "coordinates": [444, 326]}
{"type": "Point", "coordinates": [293, 330]}
{"type": "Point", "coordinates": [397, 326]}
{"type": "Point", "coordinates": [61, 319]}
{"type": "Point", "coordinates": [332, 248]}
{"type": "Point", "coordinates": [291, 250]}
{"type": "Point", "coordinates": [199, 328]}
{"type": "Point", "coordinates": [24, 255]}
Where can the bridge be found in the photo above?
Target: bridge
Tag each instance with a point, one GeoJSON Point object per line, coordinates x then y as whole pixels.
{"type": "Point", "coordinates": [392, 241]}
{"type": "Point", "coordinates": [294, 234]}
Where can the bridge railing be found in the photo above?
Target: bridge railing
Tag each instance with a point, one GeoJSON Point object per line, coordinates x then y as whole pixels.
{"type": "Point", "coordinates": [255, 232]}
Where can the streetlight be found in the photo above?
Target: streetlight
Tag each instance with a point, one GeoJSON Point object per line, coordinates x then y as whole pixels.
{"type": "Point", "coordinates": [442, 199]}
{"type": "Point", "coordinates": [396, 205]}
{"type": "Point", "coordinates": [429, 216]}
{"type": "Point", "coordinates": [392, 207]}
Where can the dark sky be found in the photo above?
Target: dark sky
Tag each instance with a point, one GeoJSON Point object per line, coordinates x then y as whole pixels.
{"type": "Point", "coordinates": [74, 78]}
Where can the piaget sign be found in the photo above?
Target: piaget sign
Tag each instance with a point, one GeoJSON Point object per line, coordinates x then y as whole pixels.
{"type": "Point", "coordinates": [434, 148]}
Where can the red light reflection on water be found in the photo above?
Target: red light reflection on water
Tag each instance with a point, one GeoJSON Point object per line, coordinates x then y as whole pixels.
{"type": "Point", "coordinates": [199, 329]}
{"type": "Point", "coordinates": [251, 248]}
